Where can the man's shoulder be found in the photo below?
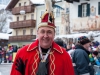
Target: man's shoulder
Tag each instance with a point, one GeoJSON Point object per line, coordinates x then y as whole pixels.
{"type": "Point", "coordinates": [58, 48]}
{"type": "Point", "coordinates": [79, 51]}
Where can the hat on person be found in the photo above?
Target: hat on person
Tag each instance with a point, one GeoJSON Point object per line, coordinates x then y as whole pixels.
{"type": "Point", "coordinates": [83, 40]}
{"type": "Point", "coordinates": [47, 19]}
{"type": "Point", "coordinates": [95, 53]}
{"type": "Point", "coordinates": [59, 42]}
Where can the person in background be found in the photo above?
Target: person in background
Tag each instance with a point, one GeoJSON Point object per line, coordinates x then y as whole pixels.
{"type": "Point", "coordinates": [68, 47]}
{"type": "Point", "coordinates": [96, 43]}
{"type": "Point", "coordinates": [97, 62]}
{"type": "Point", "coordinates": [70, 52]}
{"type": "Point", "coordinates": [80, 57]}
{"type": "Point", "coordinates": [44, 56]}
{"type": "Point", "coordinates": [60, 42]}
{"type": "Point", "coordinates": [10, 51]}
{"type": "Point", "coordinates": [0, 55]}
{"type": "Point", "coordinates": [95, 55]}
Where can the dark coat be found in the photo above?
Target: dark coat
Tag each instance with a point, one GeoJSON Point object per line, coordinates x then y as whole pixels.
{"type": "Point", "coordinates": [81, 61]}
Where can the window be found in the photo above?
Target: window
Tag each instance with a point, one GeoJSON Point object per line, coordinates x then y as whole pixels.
{"type": "Point", "coordinates": [19, 4]}
{"type": "Point", "coordinates": [24, 32]}
{"type": "Point", "coordinates": [57, 12]}
{"type": "Point", "coordinates": [24, 3]}
{"type": "Point", "coordinates": [17, 18]}
{"type": "Point", "coordinates": [67, 10]}
{"type": "Point", "coordinates": [31, 31]}
{"type": "Point", "coordinates": [99, 8]}
{"type": "Point", "coordinates": [24, 17]}
{"type": "Point", "coordinates": [31, 3]}
{"type": "Point", "coordinates": [42, 12]}
{"type": "Point", "coordinates": [16, 32]}
{"type": "Point", "coordinates": [32, 16]}
{"type": "Point", "coordinates": [57, 30]}
{"type": "Point", "coordinates": [84, 10]}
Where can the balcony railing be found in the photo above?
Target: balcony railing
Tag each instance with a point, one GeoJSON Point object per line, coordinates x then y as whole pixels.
{"type": "Point", "coordinates": [23, 24]}
{"type": "Point", "coordinates": [22, 38]}
{"type": "Point", "coordinates": [27, 9]}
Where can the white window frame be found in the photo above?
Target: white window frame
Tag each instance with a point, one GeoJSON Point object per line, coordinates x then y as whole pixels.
{"type": "Point", "coordinates": [24, 32]}
{"type": "Point", "coordinates": [42, 12]}
{"type": "Point", "coordinates": [31, 31]}
{"type": "Point", "coordinates": [57, 12]}
{"type": "Point", "coordinates": [84, 10]}
{"type": "Point", "coordinates": [32, 16]}
{"type": "Point", "coordinates": [57, 30]}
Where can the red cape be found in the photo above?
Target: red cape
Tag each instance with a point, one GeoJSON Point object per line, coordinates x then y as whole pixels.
{"type": "Point", "coordinates": [27, 60]}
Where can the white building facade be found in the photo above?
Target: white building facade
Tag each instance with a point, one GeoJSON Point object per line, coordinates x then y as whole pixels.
{"type": "Point", "coordinates": [85, 16]}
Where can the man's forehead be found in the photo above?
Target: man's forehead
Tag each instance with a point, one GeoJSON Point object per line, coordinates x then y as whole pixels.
{"type": "Point", "coordinates": [46, 28]}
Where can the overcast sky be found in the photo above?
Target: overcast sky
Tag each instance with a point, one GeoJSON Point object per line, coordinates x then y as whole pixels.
{"type": "Point", "coordinates": [40, 1]}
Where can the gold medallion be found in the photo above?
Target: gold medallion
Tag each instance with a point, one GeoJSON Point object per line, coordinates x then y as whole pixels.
{"type": "Point", "coordinates": [43, 61]}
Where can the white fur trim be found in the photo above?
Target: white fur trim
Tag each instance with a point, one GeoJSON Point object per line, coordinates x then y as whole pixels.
{"type": "Point", "coordinates": [44, 24]}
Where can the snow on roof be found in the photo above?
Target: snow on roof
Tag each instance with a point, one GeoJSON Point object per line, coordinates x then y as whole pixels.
{"type": "Point", "coordinates": [9, 30]}
{"type": "Point", "coordinates": [39, 1]}
{"type": "Point", "coordinates": [71, 35]}
{"type": "Point", "coordinates": [5, 36]}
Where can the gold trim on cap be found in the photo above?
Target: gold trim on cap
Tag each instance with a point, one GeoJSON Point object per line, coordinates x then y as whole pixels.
{"type": "Point", "coordinates": [44, 24]}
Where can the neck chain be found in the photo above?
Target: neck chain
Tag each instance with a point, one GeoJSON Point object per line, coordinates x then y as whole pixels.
{"type": "Point", "coordinates": [43, 58]}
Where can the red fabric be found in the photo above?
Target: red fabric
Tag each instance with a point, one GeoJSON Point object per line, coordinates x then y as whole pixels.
{"type": "Point", "coordinates": [59, 61]}
{"type": "Point", "coordinates": [46, 19]}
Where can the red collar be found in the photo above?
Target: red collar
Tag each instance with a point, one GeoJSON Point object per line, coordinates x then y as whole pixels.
{"type": "Point", "coordinates": [34, 46]}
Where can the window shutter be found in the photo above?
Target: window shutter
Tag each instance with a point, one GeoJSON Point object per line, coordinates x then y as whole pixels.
{"type": "Point", "coordinates": [79, 10]}
{"type": "Point", "coordinates": [88, 10]}
{"type": "Point", "coordinates": [99, 8]}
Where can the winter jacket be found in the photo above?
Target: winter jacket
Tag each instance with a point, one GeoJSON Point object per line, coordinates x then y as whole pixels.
{"type": "Point", "coordinates": [81, 62]}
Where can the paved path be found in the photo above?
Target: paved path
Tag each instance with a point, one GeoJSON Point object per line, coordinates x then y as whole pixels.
{"type": "Point", "coordinates": [0, 73]}
{"type": "Point", "coordinates": [5, 69]}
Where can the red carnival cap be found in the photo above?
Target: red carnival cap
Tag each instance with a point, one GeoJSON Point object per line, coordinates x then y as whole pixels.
{"type": "Point", "coordinates": [47, 18]}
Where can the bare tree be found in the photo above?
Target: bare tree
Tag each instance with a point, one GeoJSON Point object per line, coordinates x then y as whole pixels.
{"type": "Point", "coordinates": [5, 18]}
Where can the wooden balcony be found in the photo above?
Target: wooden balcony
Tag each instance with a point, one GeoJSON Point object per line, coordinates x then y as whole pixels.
{"type": "Point", "coordinates": [27, 9]}
{"type": "Point", "coordinates": [23, 24]}
{"type": "Point", "coordinates": [24, 38]}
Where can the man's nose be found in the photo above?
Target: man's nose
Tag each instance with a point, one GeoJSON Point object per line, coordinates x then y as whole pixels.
{"type": "Point", "coordinates": [46, 34]}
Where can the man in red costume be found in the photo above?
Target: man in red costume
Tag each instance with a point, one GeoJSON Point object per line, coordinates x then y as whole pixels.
{"type": "Point", "coordinates": [44, 56]}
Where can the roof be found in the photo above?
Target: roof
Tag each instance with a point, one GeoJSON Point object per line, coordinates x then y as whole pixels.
{"type": "Point", "coordinates": [5, 36]}
{"type": "Point", "coordinates": [11, 4]}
